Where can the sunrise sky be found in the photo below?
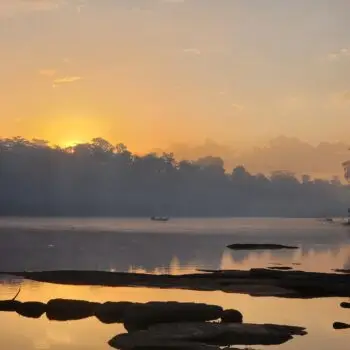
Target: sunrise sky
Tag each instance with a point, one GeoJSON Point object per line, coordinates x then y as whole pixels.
{"type": "Point", "coordinates": [153, 72]}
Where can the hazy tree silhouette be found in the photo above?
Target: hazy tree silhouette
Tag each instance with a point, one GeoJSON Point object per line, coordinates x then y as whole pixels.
{"type": "Point", "coordinates": [101, 179]}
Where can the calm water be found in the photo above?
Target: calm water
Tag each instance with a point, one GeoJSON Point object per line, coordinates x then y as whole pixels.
{"type": "Point", "coordinates": [178, 246]}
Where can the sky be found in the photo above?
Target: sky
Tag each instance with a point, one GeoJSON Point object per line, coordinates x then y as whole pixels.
{"type": "Point", "coordinates": [151, 73]}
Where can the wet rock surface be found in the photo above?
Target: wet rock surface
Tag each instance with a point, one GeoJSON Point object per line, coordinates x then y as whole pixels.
{"type": "Point", "coordinates": [142, 316]}
{"type": "Point", "coordinates": [341, 325]}
{"type": "Point", "coordinates": [31, 309]}
{"type": "Point", "coordinates": [345, 305]}
{"type": "Point", "coordinates": [68, 310]}
{"type": "Point", "coordinates": [231, 316]}
{"type": "Point", "coordinates": [113, 312]}
{"type": "Point", "coordinates": [205, 333]}
{"type": "Point", "coordinates": [255, 282]}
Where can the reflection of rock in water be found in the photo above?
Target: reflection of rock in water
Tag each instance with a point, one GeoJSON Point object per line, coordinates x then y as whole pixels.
{"type": "Point", "coordinates": [24, 250]}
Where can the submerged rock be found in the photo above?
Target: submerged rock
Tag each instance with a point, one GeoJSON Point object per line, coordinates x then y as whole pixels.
{"type": "Point", "coordinates": [142, 316]}
{"type": "Point", "coordinates": [255, 246]}
{"type": "Point", "coordinates": [340, 325]}
{"type": "Point", "coordinates": [68, 310]}
{"type": "Point", "coordinates": [112, 312]}
{"type": "Point", "coordinates": [345, 305]}
{"type": "Point", "coordinates": [31, 309]}
{"type": "Point", "coordinates": [206, 333]}
{"type": "Point", "coordinates": [231, 316]}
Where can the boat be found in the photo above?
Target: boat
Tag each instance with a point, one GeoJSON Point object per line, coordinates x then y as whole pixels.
{"type": "Point", "coordinates": [160, 218]}
{"type": "Point", "coordinates": [328, 220]}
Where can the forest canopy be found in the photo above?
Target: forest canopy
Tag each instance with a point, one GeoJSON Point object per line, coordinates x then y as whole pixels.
{"type": "Point", "coordinates": [102, 179]}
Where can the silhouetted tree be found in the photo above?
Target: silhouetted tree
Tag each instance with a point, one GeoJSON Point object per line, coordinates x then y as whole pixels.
{"type": "Point", "coordinates": [98, 178]}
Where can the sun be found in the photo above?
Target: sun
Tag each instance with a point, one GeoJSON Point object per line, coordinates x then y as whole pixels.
{"type": "Point", "coordinates": [71, 143]}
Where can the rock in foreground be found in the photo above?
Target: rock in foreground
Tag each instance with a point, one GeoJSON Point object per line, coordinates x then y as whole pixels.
{"type": "Point", "coordinates": [66, 309]}
{"type": "Point", "coordinates": [345, 305]}
{"type": "Point", "coordinates": [167, 336]}
{"type": "Point", "coordinates": [113, 312]}
{"type": "Point", "coordinates": [231, 316]}
{"type": "Point", "coordinates": [340, 325]}
{"type": "Point", "coordinates": [142, 316]}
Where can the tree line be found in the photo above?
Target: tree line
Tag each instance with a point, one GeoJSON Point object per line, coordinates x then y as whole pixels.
{"type": "Point", "coordinates": [102, 179]}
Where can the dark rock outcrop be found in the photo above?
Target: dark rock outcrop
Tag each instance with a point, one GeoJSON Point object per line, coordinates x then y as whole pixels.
{"type": "Point", "coordinates": [142, 316]}
{"type": "Point", "coordinates": [340, 325]}
{"type": "Point", "coordinates": [206, 333]}
{"type": "Point", "coordinates": [68, 310]}
{"type": "Point", "coordinates": [31, 309]}
{"type": "Point", "coordinates": [231, 316]}
{"type": "Point", "coordinates": [345, 305]}
{"type": "Point", "coordinates": [112, 312]}
{"type": "Point", "coordinates": [255, 282]}
{"type": "Point", "coordinates": [258, 246]}
{"type": "Point", "coordinates": [9, 305]}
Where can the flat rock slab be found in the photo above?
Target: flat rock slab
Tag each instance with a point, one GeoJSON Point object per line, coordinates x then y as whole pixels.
{"type": "Point", "coordinates": [258, 246]}
{"type": "Point", "coordinates": [207, 334]}
{"type": "Point", "coordinates": [113, 312]}
{"type": "Point", "coordinates": [255, 282]}
{"type": "Point", "coordinates": [142, 316]}
{"type": "Point", "coordinates": [68, 310]}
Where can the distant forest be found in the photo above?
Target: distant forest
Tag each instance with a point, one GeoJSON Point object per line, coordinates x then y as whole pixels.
{"type": "Point", "coordinates": [100, 179]}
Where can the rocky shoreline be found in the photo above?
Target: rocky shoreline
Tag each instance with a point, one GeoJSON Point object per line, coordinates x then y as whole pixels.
{"type": "Point", "coordinates": [162, 325]}
{"type": "Point", "coordinates": [254, 282]}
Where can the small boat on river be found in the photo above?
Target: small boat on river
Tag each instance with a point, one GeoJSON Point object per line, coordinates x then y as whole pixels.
{"type": "Point", "coordinates": [160, 218]}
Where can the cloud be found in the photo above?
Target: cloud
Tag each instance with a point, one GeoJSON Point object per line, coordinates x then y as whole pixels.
{"type": "Point", "coordinates": [237, 107]}
{"type": "Point", "coordinates": [9, 8]}
{"type": "Point", "coordinates": [193, 51]}
{"type": "Point", "coordinates": [336, 56]}
{"type": "Point", "coordinates": [66, 80]}
{"type": "Point", "coordinates": [47, 72]}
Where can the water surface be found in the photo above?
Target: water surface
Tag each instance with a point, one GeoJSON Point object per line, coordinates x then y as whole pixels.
{"type": "Point", "coordinates": [179, 246]}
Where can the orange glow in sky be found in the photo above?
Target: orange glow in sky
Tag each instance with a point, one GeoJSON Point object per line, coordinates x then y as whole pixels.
{"type": "Point", "coordinates": [157, 72]}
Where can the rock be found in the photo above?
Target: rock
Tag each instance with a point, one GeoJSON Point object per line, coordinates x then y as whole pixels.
{"type": "Point", "coordinates": [282, 268]}
{"type": "Point", "coordinates": [231, 316]}
{"type": "Point", "coordinates": [142, 316]}
{"type": "Point", "coordinates": [112, 312]}
{"type": "Point", "coordinates": [340, 325]}
{"type": "Point", "coordinates": [256, 282]}
{"type": "Point", "coordinates": [345, 305]}
{"type": "Point", "coordinates": [154, 344]}
{"type": "Point", "coordinates": [66, 310]}
{"type": "Point", "coordinates": [255, 246]}
{"type": "Point", "coordinates": [31, 309]}
{"type": "Point", "coordinates": [223, 334]}
{"type": "Point", "coordinates": [9, 305]}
